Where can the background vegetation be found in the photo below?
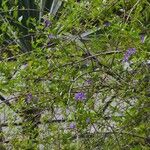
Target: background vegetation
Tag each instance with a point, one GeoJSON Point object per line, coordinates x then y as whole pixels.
{"type": "Point", "coordinates": [74, 74]}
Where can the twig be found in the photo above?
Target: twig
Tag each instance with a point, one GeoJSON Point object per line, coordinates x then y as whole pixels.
{"type": "Point", "coordinates": [132, 10]}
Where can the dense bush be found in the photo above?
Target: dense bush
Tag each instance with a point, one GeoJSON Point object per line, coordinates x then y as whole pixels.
{"type": "Point", "coordinates": [75, 74]}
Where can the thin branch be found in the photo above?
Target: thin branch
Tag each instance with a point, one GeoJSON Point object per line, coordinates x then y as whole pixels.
{"type": "Point", "coordinates": [39, 122]}
{"type": "Point", "coordinates": [132, 10]}
{"type": "Point", "coordinates": [5, 101]}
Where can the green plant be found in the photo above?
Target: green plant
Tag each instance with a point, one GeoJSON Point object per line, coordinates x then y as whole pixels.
{"type": "Point", "coordinates": [69, 75]}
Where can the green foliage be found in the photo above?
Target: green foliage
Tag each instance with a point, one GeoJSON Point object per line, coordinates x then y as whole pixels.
{"type": "Point", "coordinates": [52, 50]}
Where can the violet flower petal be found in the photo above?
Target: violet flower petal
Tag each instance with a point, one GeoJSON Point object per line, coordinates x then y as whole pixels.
{"type": "Point", "coordinates": [128, 53]}
{"type": "Point", "coordinates": [47, 23]}
{"type": "Point", "coordinates": [142, 37]}
{"type": "Point", "coordinates": [80, 96]}
{"type": "Point", "coordinates": [72, 125]}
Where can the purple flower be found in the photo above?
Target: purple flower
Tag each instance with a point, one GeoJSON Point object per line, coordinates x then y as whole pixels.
{"type": "Point", "coordinates": [89, 81]}
{"type": "Point", "coordinates": [87, 120]}
{"type": "Point", "coordinates": [51, 36]}
{"type": "Point", "coordinates": [128, 53]}
{"type": "Point", "coordinates": [80, 96]}
{"type": "Point", "coordinates": [28, 98]}
{"type": "Point", "coordinates": [47, 23]}
{"type": "Point", "coordinates": [142, 37]}
{"type": "Point", "coordinates": [72, 125]}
